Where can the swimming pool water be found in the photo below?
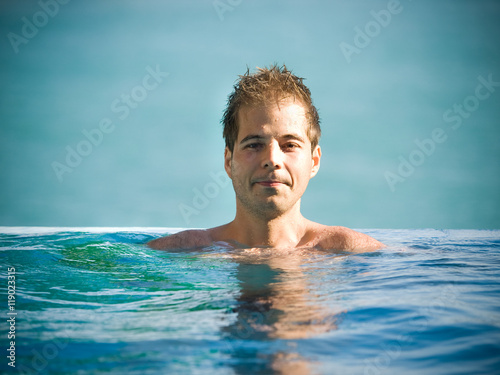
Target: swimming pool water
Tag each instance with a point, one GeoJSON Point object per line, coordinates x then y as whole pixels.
{"type": "Point", "coordinates": [97, 300]}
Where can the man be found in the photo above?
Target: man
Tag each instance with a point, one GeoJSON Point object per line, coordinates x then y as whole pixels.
{"type": "Point", "coordinates": [271, 130]}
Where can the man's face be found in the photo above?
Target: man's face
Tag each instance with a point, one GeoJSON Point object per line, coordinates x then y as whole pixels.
{"type": "Point", "coordinates": [272, 162]}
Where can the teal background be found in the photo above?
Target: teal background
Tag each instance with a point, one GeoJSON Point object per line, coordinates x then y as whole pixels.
{"type": "Point", "coordinates": [373, 108]}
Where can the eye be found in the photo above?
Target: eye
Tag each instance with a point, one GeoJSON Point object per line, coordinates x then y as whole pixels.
{"type": "Point", "coordinates": [290, 146]}
{"type": "Point", "coordinates": [253, 145]}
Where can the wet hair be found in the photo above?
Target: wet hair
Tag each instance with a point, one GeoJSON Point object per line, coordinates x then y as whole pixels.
{"type": "Point", "coordinates": [268, 84]}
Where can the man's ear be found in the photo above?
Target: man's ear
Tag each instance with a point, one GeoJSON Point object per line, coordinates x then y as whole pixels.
{"type": "Point", "coordinates": [316, 157]}
{"type": "Point", "coordinates": [227, 161]}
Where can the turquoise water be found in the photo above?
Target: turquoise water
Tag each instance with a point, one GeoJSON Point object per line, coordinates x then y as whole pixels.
{"type": "Point", "coordinates": [93, 301]}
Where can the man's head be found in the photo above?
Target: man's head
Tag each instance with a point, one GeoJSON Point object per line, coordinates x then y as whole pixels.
{"type": "Point", "coordinates": [272, 133]}
{"type": "Point", "coordinates": [269, 86]}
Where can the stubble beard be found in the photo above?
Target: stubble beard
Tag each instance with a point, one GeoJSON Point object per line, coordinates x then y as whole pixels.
{"type": "Point", "coordinates": [258, 205]}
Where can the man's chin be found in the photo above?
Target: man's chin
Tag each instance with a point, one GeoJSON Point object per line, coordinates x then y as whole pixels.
{"type": "Point", "coordinates": [272, 207]}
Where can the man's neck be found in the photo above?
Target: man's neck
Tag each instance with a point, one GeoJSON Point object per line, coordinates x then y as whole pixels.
{"type": "Point", "coordinates": [286, 230]}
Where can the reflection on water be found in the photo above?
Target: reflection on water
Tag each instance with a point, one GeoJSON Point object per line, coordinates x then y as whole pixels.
{"type": "Point", "coordinates": [276, 301]}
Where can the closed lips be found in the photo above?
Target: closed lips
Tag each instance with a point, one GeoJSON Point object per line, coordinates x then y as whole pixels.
{"type": "Point", "coordinates": [270, 182]}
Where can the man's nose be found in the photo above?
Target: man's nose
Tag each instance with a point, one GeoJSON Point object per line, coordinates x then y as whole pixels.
{"type": "Point", "coordinates": [273, 156]}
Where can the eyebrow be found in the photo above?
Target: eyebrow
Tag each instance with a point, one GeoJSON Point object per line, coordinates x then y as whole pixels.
{"type": "Point", "coordinates": [250, 137]}
{"type": "Point", "coordinates": [259, 137]}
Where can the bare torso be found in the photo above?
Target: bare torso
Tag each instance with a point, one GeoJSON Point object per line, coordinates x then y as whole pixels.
{"type": "Point", "coordinates": [316, 236]}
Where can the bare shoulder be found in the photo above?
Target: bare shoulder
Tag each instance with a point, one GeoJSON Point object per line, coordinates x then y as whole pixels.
{"type": "Point", "coordinates": [187, 239]}
{"type": "Point", "coordinates": [342, 238]}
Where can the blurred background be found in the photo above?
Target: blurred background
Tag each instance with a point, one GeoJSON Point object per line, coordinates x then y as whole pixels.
{"type": "Point", "coordinates": [110, 110]}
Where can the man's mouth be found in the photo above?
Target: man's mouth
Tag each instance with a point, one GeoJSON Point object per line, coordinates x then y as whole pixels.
{"type": "Point", "coordinates": [270, 182]}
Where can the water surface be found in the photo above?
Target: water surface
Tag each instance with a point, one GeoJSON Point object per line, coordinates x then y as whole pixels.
{"type": "Point", "coordinates": [93, 301]}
